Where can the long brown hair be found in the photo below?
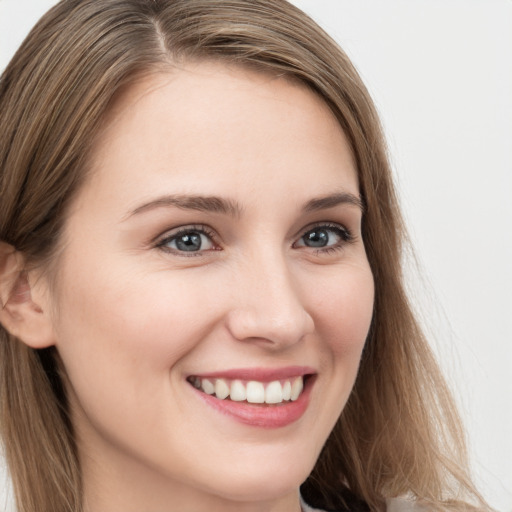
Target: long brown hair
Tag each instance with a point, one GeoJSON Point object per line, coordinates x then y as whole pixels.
{"type": "Point", "coordinates": [399, 433]}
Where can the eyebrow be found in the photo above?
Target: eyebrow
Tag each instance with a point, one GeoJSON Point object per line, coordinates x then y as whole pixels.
{"type": "Point", "coordinates": [212, 204]}
{"type": "Point", "coordinates": [332, 200]}
{"type": "Point", "coordinates": [215, 204]}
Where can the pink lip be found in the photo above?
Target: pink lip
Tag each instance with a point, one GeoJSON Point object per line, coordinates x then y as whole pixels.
{"type": "Point", "coordinates": [261, 415]}
{"type": "Point", "coordinates": [260, 374]}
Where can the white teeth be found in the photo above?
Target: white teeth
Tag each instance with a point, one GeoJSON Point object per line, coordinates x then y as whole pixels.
{"type": "Point", "coordinates": [297, 387]}
{"type": "Point", "coordinates": [274, 393]}
{"type": "Point", "coordinates": [255, 392]}
{"type": "Point", "coordinates": [207, 386]}
{"type": "Point", "coordinates": [237, 391]}
{"type": "Point", "coordinates": [221, 389]}
{"type": "Point", "coordinates": [287, 390]}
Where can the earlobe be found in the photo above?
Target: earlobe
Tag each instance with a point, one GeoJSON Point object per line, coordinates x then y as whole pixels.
{"type": "Point", "coordinates": [20, 315]}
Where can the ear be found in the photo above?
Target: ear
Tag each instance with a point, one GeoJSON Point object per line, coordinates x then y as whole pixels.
{"type": "Point", "coordinates": [22, 311]}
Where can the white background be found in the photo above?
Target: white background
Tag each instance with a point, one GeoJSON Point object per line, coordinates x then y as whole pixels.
{"type": "Point", "coordinates": [440, 72]}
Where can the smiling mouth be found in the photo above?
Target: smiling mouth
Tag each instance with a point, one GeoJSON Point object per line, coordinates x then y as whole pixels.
{"type": "Point", "coordinates": [252, 392]}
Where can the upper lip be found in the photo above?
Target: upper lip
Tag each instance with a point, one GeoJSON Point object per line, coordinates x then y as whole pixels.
{"type": "Point", "coordinates": [258, 374]}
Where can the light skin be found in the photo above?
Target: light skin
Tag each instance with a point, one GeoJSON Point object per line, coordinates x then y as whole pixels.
{"type": "Point", "coordinates": [133, 315]}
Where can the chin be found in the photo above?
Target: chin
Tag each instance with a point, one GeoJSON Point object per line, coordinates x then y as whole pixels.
{"type": "Point", "coordinates": [269, 481]}
{"type": "Point", "coordinates": [268, 489]}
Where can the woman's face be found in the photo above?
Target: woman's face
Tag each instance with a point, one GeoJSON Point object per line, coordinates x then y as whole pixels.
{"type": "Point", "coordinates": [215, 248]}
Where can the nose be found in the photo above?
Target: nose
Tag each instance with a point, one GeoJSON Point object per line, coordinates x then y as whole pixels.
{"type": "Point", "coordinates": [268, 304]}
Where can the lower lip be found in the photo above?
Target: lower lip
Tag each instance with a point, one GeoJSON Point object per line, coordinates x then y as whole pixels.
{"type": "Point", "coordinates": [261, 415]}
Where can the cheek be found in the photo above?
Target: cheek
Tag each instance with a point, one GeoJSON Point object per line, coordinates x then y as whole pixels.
{"type": "Point", "coordinates": [119, 335]}
{"type": "Point", "coordinates": [118, 327]}
{"type": "Point", "coordinates": [343, 310]}
{"type": "Point", "coordinates": [346, 318]}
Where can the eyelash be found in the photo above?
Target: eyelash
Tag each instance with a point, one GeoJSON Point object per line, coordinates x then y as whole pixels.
{"type": "Point", "coordinates": [342, 232]}
{"type": "Point", "coordinates": [201, 230]}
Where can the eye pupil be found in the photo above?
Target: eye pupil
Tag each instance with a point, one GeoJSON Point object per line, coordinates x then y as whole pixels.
{"type": "Point", "coordinates": [189, 242]}
{"type": "Point", "coordinates": [316, 238]}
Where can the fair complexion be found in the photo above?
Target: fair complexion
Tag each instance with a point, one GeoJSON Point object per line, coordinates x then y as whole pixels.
{"type": "Point", "coordinates": [217, 238]}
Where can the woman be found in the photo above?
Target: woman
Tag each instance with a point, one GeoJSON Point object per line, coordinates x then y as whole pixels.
{"type": "Point", "coordinates": [202, 302]}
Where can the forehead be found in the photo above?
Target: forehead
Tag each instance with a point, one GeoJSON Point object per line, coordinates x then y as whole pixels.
{"type": "Point", "coordinates": [217, 125]}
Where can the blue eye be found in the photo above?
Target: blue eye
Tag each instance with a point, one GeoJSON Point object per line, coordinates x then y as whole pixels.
{"type": "Point", "coordinates": [324, 237]}
{"type": "Point", "coordinates": [188, 240]}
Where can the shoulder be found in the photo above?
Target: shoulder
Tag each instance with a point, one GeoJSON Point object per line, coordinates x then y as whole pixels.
{"type": "Point", "coordinates": [353, 506]}
{"type": "Point", "coordinates": [404, 505]}
{"type": "Point", "coordinates": [306, 508]}
{"type": "Point", "coordinates": [392, 505]}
